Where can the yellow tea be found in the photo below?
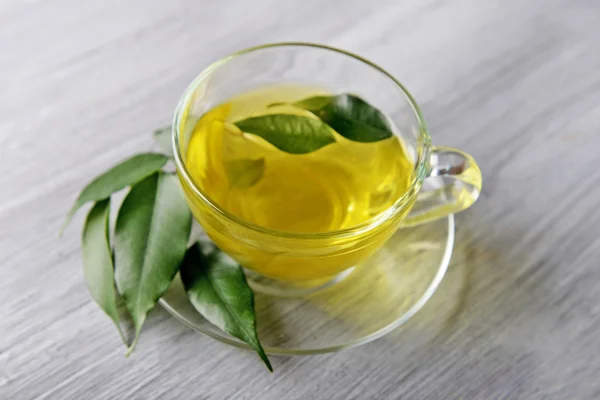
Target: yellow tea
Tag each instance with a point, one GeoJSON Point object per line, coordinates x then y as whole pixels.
{"type": "Point", "coordinates": [338, 186]}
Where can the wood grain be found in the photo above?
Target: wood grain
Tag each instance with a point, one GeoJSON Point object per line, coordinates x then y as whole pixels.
{"type": "Point", "coordinates": [515, 83]}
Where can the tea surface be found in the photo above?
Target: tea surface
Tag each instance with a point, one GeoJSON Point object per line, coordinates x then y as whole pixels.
{"type": "Point", "coordinates": [338, 186]}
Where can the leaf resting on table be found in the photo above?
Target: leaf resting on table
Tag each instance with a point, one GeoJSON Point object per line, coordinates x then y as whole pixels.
{"type": "Point", "coordinates": [98, 268]}
{"type": "Point", "coordinates": [151, 235]}
{"type": "Point", "coordinates": [127, 173]}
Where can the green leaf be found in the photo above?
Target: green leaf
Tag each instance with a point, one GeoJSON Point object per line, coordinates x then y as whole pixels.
{"type": "Point", "coordinates": [162, 137]}
{"type": "Point", "coordinates": [217, 288]}
{"type": "Point", "coordinates": [314, 104]}
{"type": "Point", "coordinates": [127, 173]}
{"type": "Point", "coordinates": [244, 173]}
{"type": "Point", "coordinates": [350, 116]}
{"type": "Point", "coordinates": [98, 268]}
{"type": "Point", "coordinates": [290, 133]}
{"type": "Point", "coordinates": [151, 235]}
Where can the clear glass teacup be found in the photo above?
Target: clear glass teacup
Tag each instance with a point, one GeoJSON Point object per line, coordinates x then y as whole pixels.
{"type": "Point", "coordinates": [444, 180]}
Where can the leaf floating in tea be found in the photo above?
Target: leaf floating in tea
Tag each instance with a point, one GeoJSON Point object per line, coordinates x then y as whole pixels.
{"type": "Point", "coordinates": [350, 116]}
{"type": "Point", "coordinates": [151, 235]}
{"type": "Point", "coordinates": [217, 288]}
{"type": "Point", "coordinates": [316, 103]}
{"type": "Point", "coordinates": [162, 137]}
{"type": "Point", "coordinates": [290, 133]}
{"type": "Point", "coordinates": [244, 173]}
{"type": "Point", "coordinates": [98, 268]}
{"type": "Point", "coordinates": [127, 173]}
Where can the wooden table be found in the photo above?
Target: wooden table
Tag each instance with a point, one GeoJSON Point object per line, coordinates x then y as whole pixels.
{"type": "Point", "coordinates": [515, 83]}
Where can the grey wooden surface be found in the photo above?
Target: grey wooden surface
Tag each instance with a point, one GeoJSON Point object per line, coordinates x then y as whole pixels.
{"type": "Point", "coordinates": [515, 83]}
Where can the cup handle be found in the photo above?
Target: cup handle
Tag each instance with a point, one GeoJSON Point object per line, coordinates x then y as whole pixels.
{"type": "Point", "coordinates": [453, 184]}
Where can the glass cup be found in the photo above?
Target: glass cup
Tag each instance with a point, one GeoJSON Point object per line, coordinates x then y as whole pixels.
{"type": "Point", "coordinates": [444, 180]}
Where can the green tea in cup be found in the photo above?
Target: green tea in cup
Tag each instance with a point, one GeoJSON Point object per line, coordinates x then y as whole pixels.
{"type": "Point", "coordinates": [300, 176]}
{"type": "Point", "coordinates": [338, 186]}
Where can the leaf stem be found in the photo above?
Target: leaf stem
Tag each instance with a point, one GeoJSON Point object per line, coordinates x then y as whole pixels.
{"type": "Point", "coordinates": [135, 341]}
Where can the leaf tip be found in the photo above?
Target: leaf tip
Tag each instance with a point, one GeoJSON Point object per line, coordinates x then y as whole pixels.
{"type": "Point", "coordinates": [65, 223]}
{"type": "Point", "coordinates": [268, 364]}
{"type": "Point", "coordinates": [132, 347]}
{"type": "Point", "coordinates": [135, 340]}
{"type": "Point", "coordinates": [263, 356]}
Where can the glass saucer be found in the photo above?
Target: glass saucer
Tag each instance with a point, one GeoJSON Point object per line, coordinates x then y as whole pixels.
{"type": "Point", "coordinates": [376, 297]}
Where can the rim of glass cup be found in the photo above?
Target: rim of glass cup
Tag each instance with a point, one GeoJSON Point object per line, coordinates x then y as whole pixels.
{"type": "Point", "coordinates": [420, 169]}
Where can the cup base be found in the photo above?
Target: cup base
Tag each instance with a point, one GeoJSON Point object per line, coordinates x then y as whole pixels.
{"type": "Point", "coordinates": [273, 287]}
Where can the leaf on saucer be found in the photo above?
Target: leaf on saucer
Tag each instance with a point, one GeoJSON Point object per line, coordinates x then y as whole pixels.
{"type": "Point", "coordinates": [217, 288]}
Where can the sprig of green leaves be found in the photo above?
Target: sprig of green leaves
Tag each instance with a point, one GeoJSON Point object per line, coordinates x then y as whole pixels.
{"type": "Point", "coordinates": [154, 221]}
{"type": "Point", "coordinates": [149, 244]}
